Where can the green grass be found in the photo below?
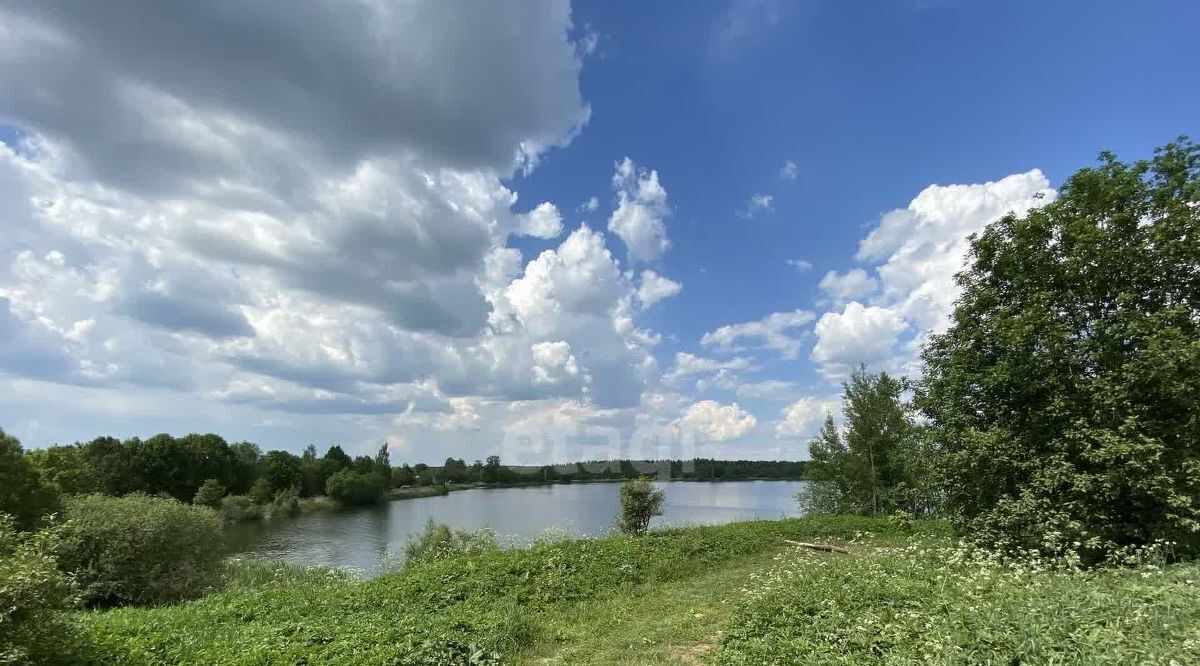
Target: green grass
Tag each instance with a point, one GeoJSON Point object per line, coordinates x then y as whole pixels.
{"type": "Point", "coordinates": [733, 594]}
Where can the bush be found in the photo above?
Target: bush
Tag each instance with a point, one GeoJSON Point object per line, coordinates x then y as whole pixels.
{"type": "Point", "coordinates": [285, 503]}
{"type": "Point", "coordinates": [34, 597]}
{"type": "Point", "coordinates": [351, 488]}
{"type": "Point", "coordinates": [438, 542]}
{"type": "Point", "coordinates": [210, 494]}
{"type": "Point", "coordinates": [639, 503]}
{"type": "Point", "coordinates": [932, 603]}
{"type": "Point", "coordinates": [261, 492]}
{"type": "Point", "coordinates": [239, 508]}
{"type": "Point", "coordinates": [140, 549]}
{"type": "Point", "coordinates": [23, 495]}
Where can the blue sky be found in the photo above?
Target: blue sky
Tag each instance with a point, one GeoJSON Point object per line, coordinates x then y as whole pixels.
{"type": "Point", "coordinates": [288, 226]}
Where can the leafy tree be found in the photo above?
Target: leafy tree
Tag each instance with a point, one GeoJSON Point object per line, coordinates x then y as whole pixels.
{"type": "Point", "coordinates": [640, 501]}
{"type": "Point", "coordinates": [1066, 393]}
{"type": "Point", "coordinates": [282, 470]}
{"type": "Point", "coordinates": [210, 494]}
{"type": "Point", "coordinates": [403, 476]}
{"type": "Point", "coordinates": [491, 470]}
{"type": "Point", "coordinates": [870, 469]}
{"type": "Point", "coordinates": [23, 494]}
{"type": "Point", "coordinates": [314, 478]}
{"type": "Point", "coordinates": [383, 465]}
{"type": "Point", "coordinates": [351, 488]}
{"type": "Point", "coordinates": [247, 458]}
{"type": "Point", "coordinates": [363, 465]}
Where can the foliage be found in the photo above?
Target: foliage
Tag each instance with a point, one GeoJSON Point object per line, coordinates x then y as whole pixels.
{"type": "Point", "coordinates": [23, 494]}
{"type": "Point", "coordinates": [438, 542]}
{"type": "Point", "coordinates": [351, 488]}
{"type": "Point", "coordinates": [1066, 393]}
{"type": "Point", "coordinates": [261, 493]}
{"type": "Point", "coordinates": [640, 501]}
{"type": "Point", "coordinates": [282, 470]}
{"type": "Point", "coordinates": [285, 503]}
{"type": "Point", "coordinates": [238, 508]}
{"type": "Point", "coordinates": [210, 494]}
{"type": "Point", "coordinates": [139, 549]}
{"type": "Point", "coordinates": [482, 606]}
{"type": "Point", "coordinates": [878, 466]}
{"type": "Point", "coordinates": [933, 603]}
{"type": "Point", "coordinates": [34, 598]}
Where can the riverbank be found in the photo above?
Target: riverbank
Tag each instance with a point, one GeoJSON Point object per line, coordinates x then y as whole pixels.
{"type": "Point", "coordinates": [730, 594]}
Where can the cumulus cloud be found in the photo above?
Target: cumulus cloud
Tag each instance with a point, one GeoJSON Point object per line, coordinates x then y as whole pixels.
{"type": "Point", "coordinates": [542, 222]}
{"type": "Point", "coordinates": [789, 171]}
{"type": "Point", "coordinates": [803, 418]}
{"type": "Point", "coordinates": [799, 264]}
{"type": "Point", "coordinates": [858, 334]}
{"type": "Point", "coordinates": [776, 331]}
{"type": "Point", "coordinates": [641, 209]}
{"type": "Point", "coordinates": [713, 421]}
{"type": "Point", "coordinates": [322, 231]}
{"type": "Point", "coordinates": [917, 251]}
{"type": "Point", "coordinates": [851, 285]}
{"type": "Point", "coordinates": [654, 288]}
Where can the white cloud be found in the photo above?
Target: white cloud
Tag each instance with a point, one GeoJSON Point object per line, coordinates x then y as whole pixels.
{"type": "Point", "coordinates": [688, 365]}
{"type": "Point", "coordinates": [799, 264]}
{"type": "Point", "coordinates": [851, 285]}
{"type": "Point", "coordinates": [641, 209]}
{"type": "Point", "coordinates": [803, 418]}
{"type": "Point", "coordinates": [758, 203]}
{"type": "Point", "coordinates": [173, 223]}
{"type": "Point", "coordinates": [858, 334]}
{"type": "Point", "coordinates": [591, 205]}
{"type": "Point", "coordinates": [789, 171]}
{"type": "Point", "coordinates": [921, 248]}
{"type": "Point", "coordinates": [775, 331]}
{"type": "Point", "coordinates": [654, 288]}
{"type": "Point", "coordinates": [711, 420]}
{"type": "Point", "coordinates": [543, 221]}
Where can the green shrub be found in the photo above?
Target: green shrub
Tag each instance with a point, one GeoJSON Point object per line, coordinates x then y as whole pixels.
{"type": "Point", "coordinates": [140, 549]}
{"type": "Point", "coordinates": [238, 508]}
{"type": "Point", "coordinates": [640, 502]}
{"type": "Point", "coordinates": [285, 504]}
{"type": "Point", "coordinates": [210, 494]}
{"type": "Point", "coordinates": [351, 488]}
{"type": "Point", "coordinates": [931, 603]}
{"type": "Point", "coordinates": [438, 542]}
{"type": "Point", "coordinates": [23, 495]}
{"type": "Point", "coordinates": [261, 492]}
{"type": "Point", "coordinates": [34, 595]}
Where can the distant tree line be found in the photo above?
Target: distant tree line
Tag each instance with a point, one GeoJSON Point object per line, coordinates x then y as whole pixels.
{"type": "Point", "coordinates": [492, 471]}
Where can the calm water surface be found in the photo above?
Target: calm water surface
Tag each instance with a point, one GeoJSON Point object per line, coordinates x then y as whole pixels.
{"type": "Point", "coordinates": [370, 538]}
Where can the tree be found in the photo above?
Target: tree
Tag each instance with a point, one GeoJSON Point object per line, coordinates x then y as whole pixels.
{"type": "Point", "coordinates": [282, 470]}
{"type": "Point", "coordinates": [23, 494]}
{"type": "Point", "coordinates": [640, 501]}
{"type": "Point", "coordinates": [383, 465]}
{"type": "Point", "coordinates": [491, 470]}
{"type": "Point", "coordinates": [403, 476]}
{"type": "Point", "coordinates": [1066, 392]}
{"type": "Point", "coordinates": [866, 470]}
{"type": "Point", "coordinates": [351, 488]}
{"type": "Point", "coordinates": [210, 494]}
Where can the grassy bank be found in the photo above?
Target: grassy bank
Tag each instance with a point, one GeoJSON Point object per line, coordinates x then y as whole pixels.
{"type": "Point", "coordinates": [730, 594]}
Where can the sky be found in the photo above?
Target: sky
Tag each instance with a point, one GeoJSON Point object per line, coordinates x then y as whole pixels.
{"type": "Point", "coordinates": [545, 230]}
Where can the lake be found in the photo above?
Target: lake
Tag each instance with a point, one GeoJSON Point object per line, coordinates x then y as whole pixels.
{"type": "Point", "coordinates": [369, 539]}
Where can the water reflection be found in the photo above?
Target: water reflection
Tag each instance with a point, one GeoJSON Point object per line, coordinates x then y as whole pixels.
{"type": "Point", "coordinates": [367, 539]}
